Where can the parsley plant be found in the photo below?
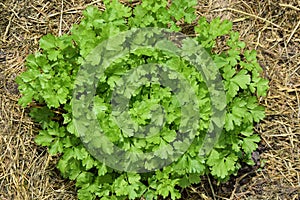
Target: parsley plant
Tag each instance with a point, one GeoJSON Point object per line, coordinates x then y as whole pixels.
{"type": "Point", "coordinates": [52, 74]}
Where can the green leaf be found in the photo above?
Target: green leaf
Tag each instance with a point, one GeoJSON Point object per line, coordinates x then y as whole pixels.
{"type": "Point", "coordinates": [48, 42]}
{"type": "Point", "coordinates": [250, 143]}
{"type": "Point", "coordinates": [84, 178]}
{"type": "Point", "coordinates": [184, 182]}
{"type": "Point", "coordinates": [81, 153]}
{"type": "Point", "coordinates": [248, 131]}
{"type": "Point", "coordinates": [194, 178]}
{"type": "Point", "coordinates": [43, 138]}
{"type": "Point", "coordinates": [258, 113]}
{"type": "Point", "coordinates": [88, 162]}
{"type": "Point", "coordinates": [85, 194]}
{"type": "Point", "coordinates": [30, 75]}
{"type": "Point", "coordinates": [51, 99]}
{"type": "Point", "coordinates": [232, 90]}
{"type": "Point", "coordinates": [213, 157]}
{"type": "Point", "coordinates": [242, 79]}
{"type": "Point", "coordinates": [31, 62]}
{"type": "Point", "coordinates": [40, 115]}
{"type": "Point", "coordinates": [250, 55]}
{"type": "Point", "coordinates": [196, 165]}
{"type": "Point", "coordinates": [56, 147]}
{"type": "Point", "coordinates": [133, 178]}
{"type": "Point", "coordinates": [62, 95]}
{"type": "Point", "coordinates": [262, 87]}
{"type": "Point", "coordinates": [53, 55]}
{"type": "Point", "coordinates": [221, 166]}
{"type": "Point", "coordinates": [169, 135]}
{"type": "Point", "coordinates": [26, 98]}
{"type": "Point", "coordinates": [231, 162]}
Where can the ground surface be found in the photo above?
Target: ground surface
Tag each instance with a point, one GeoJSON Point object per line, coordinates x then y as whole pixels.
{"type": "Point", "coordinates": [271, 27]}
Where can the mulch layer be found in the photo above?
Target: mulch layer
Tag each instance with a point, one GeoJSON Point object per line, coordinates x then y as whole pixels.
{"type": "Point", "coordinates": [271, 27]}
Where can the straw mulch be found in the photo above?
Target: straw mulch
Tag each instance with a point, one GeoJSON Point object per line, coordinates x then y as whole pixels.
{"type": "Point", "coordinates": [271, 27]}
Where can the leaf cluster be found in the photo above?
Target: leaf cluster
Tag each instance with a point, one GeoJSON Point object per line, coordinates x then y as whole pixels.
{"type": "Point", "coordinates": [48, 84]}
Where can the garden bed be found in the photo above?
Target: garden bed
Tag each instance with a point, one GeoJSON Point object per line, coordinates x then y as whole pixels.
{"type": "Point", "coordinates": [27, 171]}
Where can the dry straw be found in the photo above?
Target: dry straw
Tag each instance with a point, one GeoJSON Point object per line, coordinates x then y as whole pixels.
{"type": "Point", "coordinates": [271, 27]}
